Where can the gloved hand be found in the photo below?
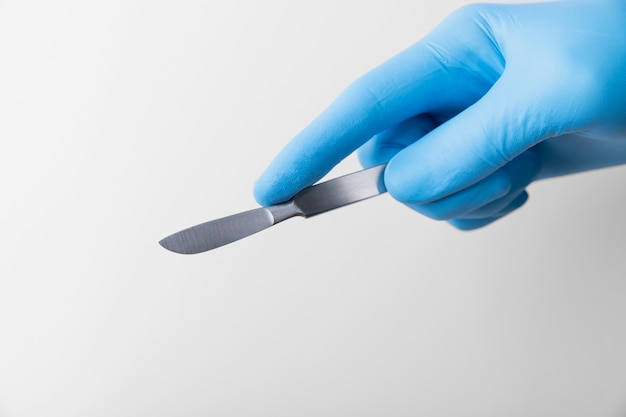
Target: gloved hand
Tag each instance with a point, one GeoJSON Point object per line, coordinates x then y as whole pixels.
{"type": "Point", "coordinates": [494, 97]}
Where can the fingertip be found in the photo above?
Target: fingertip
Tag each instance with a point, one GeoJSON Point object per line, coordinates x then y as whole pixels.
{"type": "Point", "coordinates": [262, 193]}
{"type": "Point", "coordinates": [272, 189]}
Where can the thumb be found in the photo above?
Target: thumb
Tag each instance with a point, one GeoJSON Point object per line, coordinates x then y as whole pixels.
{"type": "Point", "coordinates": [472, 145]}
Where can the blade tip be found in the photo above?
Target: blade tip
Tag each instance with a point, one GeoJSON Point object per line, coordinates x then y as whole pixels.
{"type": "Point", "coordinates": [172, 247]}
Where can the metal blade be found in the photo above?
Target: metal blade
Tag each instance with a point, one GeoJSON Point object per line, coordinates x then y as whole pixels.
{"type": "Point", "coordinates": [216, 233]}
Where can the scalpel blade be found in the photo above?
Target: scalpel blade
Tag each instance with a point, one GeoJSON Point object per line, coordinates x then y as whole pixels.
{"type": "Point", "coordinates": [311, 201]}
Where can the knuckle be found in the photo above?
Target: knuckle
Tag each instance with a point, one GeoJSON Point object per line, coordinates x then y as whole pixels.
{"type": "Point", "coordinates": [469, 11]}
{"type": "Point", "coordinates": [477, 14]}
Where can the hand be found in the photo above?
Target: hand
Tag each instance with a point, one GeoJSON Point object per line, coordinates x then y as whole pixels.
{"type": "Point", "coordinates": [494, 97]}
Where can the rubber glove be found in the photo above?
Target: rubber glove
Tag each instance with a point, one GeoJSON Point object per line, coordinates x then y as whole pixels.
{"type": "Point", "coordinates": [495, 97]}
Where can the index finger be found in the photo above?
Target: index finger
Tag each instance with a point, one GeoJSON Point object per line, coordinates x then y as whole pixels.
{"type": "Point", "coordinates": [381, 98]}
{"type": "Point", "coordinates": [430, 75]}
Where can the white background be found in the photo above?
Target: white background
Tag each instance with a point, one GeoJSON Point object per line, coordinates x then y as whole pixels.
{"type": "Point", "coordinates": [124, 121]}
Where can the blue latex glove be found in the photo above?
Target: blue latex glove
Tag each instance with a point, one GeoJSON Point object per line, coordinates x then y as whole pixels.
{"type": "Point", "coordinates": [494, 97]}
